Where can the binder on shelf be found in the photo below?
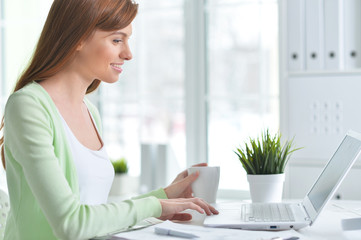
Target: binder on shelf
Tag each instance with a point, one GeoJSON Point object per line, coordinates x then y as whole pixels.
{"type": "Point", "coordinates": [352, 34]}
{"type": "Point", "coordinates": [333, 34]}
{"type": "Point", "coordinates": [314, 34]}
{"type": "Point", "coordinates": [295, 35]}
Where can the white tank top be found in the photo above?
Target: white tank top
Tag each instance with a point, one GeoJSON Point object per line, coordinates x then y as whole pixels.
{"type": "Point", "coordinates": [94, 169]}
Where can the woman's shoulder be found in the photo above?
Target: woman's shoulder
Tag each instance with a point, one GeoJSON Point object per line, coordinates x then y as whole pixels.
{"type": "Point", "coordinates": [32, 90]}
{"type": "Point", "coordinates": [30, 95]}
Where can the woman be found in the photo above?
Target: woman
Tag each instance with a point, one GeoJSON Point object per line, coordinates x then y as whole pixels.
{"type": "Point", "coordinates": [58, 172]}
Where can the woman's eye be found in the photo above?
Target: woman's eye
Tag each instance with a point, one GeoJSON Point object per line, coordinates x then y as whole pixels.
{"type": "Point", "coordinates": [117, 41]}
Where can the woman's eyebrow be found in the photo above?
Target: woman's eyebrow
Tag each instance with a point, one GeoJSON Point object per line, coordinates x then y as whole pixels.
{"type": "Point", "coordinates": [120, 33]}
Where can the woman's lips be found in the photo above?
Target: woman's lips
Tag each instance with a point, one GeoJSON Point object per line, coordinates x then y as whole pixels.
{"type": "Point", "coordinates": [117, 67]}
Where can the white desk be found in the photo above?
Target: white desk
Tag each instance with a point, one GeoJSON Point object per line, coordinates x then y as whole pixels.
{"type": "Point", "coordinates": [328, 224]}
{"type": "Point", "coordinates": [326, 227]}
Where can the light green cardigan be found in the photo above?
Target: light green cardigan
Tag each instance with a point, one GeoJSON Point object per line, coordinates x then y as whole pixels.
{"type": "Point", "coordinates": [42, 179]}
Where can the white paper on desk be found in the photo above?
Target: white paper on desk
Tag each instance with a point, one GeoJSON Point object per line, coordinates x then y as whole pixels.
{"type": "Point", "coordinates": [142, 224]}
{"type": "Point", "coordinates": [206, 233]}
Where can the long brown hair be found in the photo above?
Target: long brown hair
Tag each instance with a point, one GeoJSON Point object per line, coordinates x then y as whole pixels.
{"type": "Point", "coordinates": [70, 22]}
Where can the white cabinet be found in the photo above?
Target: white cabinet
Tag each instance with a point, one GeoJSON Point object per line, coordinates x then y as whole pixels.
{"type": "Point", "coordinates": [301, 178]}
{"type": "Point", "coordinates": [321, 102]}
{"type": "Point", "coordinates": [321, 34]}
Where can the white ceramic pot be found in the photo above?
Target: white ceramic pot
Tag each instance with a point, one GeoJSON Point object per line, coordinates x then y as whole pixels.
{"type": "Point", "coordinates": [266, 187]}
{"type": "Point", "coordinates": [123, 184]}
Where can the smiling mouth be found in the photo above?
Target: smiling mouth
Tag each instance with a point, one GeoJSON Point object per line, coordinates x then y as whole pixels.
{"type": "Point", "coordinates": [117, 67]}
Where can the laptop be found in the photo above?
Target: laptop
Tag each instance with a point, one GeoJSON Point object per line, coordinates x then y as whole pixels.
{"type": "Point", "coordinates": [282, 216]}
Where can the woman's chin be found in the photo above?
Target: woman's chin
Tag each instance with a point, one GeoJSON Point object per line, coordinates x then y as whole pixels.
{"type": "Point", "coordinates": [110, 80]}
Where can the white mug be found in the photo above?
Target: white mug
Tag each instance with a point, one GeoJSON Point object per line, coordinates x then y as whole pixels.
{"type": "Point", "coordinates": [206, 185]}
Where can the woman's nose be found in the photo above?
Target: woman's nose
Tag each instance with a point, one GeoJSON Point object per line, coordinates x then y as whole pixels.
{"type": "Point", "coordinates": [126, 53]}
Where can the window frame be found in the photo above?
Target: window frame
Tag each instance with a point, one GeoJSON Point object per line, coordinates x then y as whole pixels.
{"type": "Point", "coordinates": [195, 82]}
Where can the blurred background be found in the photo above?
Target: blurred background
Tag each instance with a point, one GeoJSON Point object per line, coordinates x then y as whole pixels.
{"type": "Point", "coordinates": [206, 75]}
{"type": "Point", "coordinates": [224, 52]}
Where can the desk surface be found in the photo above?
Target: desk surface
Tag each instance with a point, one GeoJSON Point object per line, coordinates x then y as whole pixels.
{"type": "Point", "coordinates": [326, 227]}
{"type": "Point", "coordinates": [328, 224]}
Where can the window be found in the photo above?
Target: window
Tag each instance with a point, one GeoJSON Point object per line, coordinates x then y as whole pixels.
{"type": "Point", "coordinates": [21, 24]}
{"type": "Point", "coordinates": [20, 27]}
{"type": "Point", "coordinates": [242, 80]}
{"type": "Point", "coordinates": [146, 105]}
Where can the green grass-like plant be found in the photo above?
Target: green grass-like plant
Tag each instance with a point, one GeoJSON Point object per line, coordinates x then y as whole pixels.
{"type": "Point", "coordinates": [120, 166]}
{"type": "Point", "coordinates": [265, 155]}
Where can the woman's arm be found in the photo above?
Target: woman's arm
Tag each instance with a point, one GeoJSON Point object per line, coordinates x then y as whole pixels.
{"type": "Point", "coordinates": [29, 142]}
{"type": "Point", "coordinates": [159, 193]}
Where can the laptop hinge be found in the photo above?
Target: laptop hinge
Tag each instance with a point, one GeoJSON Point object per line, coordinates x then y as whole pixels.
{"type": "Point", "coordinates": [307, 218]}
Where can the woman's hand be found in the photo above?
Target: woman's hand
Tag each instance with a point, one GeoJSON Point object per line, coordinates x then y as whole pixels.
{"type": "Point", "coordinates": [172, 208]}
{"type": "Point", "coordinates": [181, 186]}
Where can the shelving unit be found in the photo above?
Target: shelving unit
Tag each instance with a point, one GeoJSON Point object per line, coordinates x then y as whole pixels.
{"type": "Point", "coordinates": [320, 86]}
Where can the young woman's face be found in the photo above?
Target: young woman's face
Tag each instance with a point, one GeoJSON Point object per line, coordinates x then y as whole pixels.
{"type": "Point", "coordinates": [103, 54]}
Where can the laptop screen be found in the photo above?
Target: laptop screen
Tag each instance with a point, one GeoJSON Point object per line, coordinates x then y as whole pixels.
{"type": "Point", "coordinates": [334, 171]}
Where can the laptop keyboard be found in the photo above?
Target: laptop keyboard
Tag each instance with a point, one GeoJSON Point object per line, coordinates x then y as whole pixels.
{"type": "Point", "coordinates": [272, 212]}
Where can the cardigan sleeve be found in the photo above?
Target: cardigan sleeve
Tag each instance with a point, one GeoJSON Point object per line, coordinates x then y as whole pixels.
{"type": "Point", "coordinates": [159, 193]}
{"type": "Point", "coordinates": [29, 140]}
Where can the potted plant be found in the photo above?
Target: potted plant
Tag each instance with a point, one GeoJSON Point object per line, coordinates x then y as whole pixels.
{"type": "Point", "coordinates": [264, 160]}
{"type": "Point", "coordinates": [120, 166]}
{"type": "Point", "coordinates": [121, 180]}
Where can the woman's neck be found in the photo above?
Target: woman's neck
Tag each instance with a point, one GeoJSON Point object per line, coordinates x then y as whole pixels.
{"type": "Point", "coordinates": [66, 87]}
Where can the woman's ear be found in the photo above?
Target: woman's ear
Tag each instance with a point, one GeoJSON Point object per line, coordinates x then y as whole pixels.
{"type": "Point", "coordinates": [80, 46]}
